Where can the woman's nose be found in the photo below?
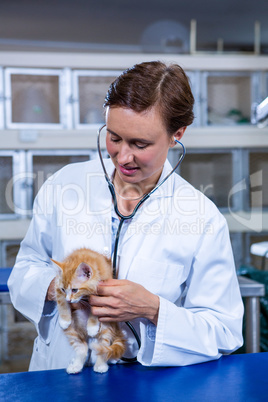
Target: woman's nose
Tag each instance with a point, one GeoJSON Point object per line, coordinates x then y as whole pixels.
{"type": "Point", "coordinates": [125, 154]}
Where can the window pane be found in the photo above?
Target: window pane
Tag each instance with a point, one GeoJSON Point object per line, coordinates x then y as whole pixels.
{"type": "Point", "coordinates": [211, 174]}
{"type": "Point", "coordinates": [46, 165]}
{"type": "Point", "coordinates": [229, 100]}
{"type": "Point", "coordinates": [92, 92]}
{"type": "Point", "coordinates": [258, 162]}
{"type": "Point", "coordinates": [35, 98]}
{"type": "Point", "coordinates": [6, 190]}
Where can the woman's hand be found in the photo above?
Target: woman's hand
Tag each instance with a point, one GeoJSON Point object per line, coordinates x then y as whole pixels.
{"type": "Point", "coordinates": [123, 300]}
{"type": "Point", "coordinates": [51, 292]}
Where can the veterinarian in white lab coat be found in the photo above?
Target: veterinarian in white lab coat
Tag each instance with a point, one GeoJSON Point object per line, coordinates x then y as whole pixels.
{"type": "Point", "coordinates": [176, 277]}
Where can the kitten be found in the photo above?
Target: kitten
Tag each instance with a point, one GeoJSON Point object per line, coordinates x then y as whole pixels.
{"type": "Point", "coordinates": [77, 278]}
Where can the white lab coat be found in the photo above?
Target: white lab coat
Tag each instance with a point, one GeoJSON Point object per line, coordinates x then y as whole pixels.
{"type": "Point", "coordinates": [177, 246]}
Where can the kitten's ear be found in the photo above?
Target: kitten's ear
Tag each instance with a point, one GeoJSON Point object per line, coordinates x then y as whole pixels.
{"type": "Point", "coordinates": [57, 264]}
{"type": "Point", "coordinates": [83, 271]}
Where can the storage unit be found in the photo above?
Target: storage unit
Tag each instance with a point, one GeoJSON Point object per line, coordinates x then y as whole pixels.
{"type": "Point", "coordinates": [36, 98]}
{"type": "Point", "coordinates": [1, 98]}
{"type": "Point", "coordinates": [227, 97]}
{"type": "Point", "coordinates": [89, 90]}
{"type": "Point", "coordinates": [63, 93]}
{"type": "Point", "coordinates": [41, 164]}
{"type": "Point", "coordinates": [13, 194]}
{"type": "Point", "coordinates": [8, 252]}
{"type": "Point", "coordinates": [258, 173]}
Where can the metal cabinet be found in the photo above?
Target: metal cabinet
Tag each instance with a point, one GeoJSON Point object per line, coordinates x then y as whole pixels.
{"type": "Point", "coordinates": [89, 91]}
{"type": "Point", "coordinates": [227, 97]}
{"type": "Point", "coordinates": [194, 79]}
{"type": "Point", "coordinates": [13, 194]}
{"type": "Point", "coordinates": [37, 98]}
{"type": "Point", "coordinates": [42, 164]}
{"type": "Point", "coordinates": [258, 173]}
{"type": "Point", "coordinates": [8, 252]}
{"type": "Point", "coordinates": [214, 172]}
{"type": "Point", "coordinates": [1, 98]}
{"type": "Point", "coordinates": [47, 99]}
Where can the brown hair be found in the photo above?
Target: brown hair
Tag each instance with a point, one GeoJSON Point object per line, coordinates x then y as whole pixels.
{"type": "Point", "coordinates": [155, 84]}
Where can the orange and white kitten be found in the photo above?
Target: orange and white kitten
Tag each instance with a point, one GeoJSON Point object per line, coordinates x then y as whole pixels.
{"type": "Point", "coordinates": [77, 278]}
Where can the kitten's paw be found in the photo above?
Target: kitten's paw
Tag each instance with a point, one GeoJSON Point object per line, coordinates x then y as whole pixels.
{"type": "Point", "coordinates": [64, 324]}
{"type": "Point", "coordinates": [101, 367]}
{"type": "Point", "coordinates": [92, 330]}
{"type": "Point", "coordinates": [74, 367]}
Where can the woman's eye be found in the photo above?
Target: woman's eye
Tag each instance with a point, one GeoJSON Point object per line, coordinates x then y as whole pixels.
{"type": "Point", "coordinates": [74, 290]}
{"type": "Point", "coordinates": [114, 139]}
{"type": "Point", "coordinates": [141, 146]}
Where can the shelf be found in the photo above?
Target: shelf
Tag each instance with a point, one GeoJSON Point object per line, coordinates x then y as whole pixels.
{"type": "Point", "coordinates": [201, 62]}
{"type": "Point", "coordinates": [13, 229]}
{"type": "Point", "coordinates": [195, 137]}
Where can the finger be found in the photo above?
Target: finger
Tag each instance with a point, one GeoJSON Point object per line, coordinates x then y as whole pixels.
{"type": "Point", "coordinates": [98, 301]}
{"type": "Point", "coordinates": [104, 313]}
{"type": "Point", "coordinates": [112, 282]}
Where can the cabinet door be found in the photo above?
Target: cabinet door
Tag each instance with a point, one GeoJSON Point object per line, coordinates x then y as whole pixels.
{"type": "Point", "coordinates": [13, 193]}
{"type": "Point", "coordinates": [194, 78]}
{"type": "Point", "coordinates": [9, 251]}
{"type": "Point", "coordinates": [258, 173]}
{"type": "Point", "coordinates": [228, 98]}
{"type": "Point", "coordinates": [90, 88]}
{"type": "Point", "coordinates": [42, 164]}
{"type": "Point", "coordinates": [211, 173]}
{"type": "Point", "coordinates": [255, 260]}
{"type": "Point", "coordinates": [1, 98]}
{"type": "Point", "coordinates": [34, 98]}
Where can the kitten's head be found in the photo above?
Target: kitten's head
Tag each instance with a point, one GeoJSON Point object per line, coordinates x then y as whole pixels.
{"type": "Point", "coordinates": [75, 282]}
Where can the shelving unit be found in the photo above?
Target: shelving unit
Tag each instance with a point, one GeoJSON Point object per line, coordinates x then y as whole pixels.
{"type": "Point", "coordinates": [51, 108]}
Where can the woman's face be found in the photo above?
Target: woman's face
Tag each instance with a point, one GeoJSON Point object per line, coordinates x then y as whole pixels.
{"type": "Point", "coordinates": [138, 145]}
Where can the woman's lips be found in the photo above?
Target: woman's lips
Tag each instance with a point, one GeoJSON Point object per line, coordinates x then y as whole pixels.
{"type": "Point", "coordinates": [127, 170]}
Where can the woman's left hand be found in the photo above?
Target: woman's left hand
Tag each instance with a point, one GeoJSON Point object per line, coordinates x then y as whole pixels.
{"type": "Point", "coordinates": [123, 300]}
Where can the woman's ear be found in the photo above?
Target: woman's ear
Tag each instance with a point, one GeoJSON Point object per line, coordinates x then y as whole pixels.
{"type": "Point", "coordinates": [177, 136]}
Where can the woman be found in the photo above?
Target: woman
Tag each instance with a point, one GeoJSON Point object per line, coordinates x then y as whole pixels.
{"type": "Point", "coordinates": [176, 277]}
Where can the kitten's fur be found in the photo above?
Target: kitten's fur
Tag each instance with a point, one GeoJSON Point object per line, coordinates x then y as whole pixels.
{"type": "Point", "coordinates": [78, 278]}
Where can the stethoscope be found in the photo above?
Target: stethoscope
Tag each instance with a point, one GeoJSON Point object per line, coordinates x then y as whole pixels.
{"type": "Point", "coordinates": [124, 218]}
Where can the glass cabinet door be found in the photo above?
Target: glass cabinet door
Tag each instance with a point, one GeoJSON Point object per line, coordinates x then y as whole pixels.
{"type": "Point", "coordinates": [194, 78]}
{"type": "Point", "coordinates": [42, 164]}
{"type": "Point", "coordinates": [13, 194]}
{"type": "Point", "coordinates": [258, 173]}
{"type": "Point", "coordinates": [1, 98]}
{"type": "Point", "coordinates": [228, 98]}
{"type": "Point", "coordinates": [9, 251]}
{"type": "Point", "coordinates": [211, 173]}
{"type": "Point", "coordinates": [34, 98]}
{"type": "Point", "coordinates": [90, 88]}
{"type": "Point", "coordinates": [6, 167]}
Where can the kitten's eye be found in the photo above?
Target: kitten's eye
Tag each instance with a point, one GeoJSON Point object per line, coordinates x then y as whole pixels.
{"type": "Point", "coordinates": [74, 290]}
{"type": "Point", "coordinates": [63, 290]}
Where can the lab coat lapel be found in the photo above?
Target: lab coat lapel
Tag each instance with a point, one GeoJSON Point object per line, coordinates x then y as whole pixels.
{"type": "Point", "coordinates": [100, 201]}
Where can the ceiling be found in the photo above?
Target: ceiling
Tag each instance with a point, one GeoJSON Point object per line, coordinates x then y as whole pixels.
{"type": "Point", "coordinates": [139, 25]}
